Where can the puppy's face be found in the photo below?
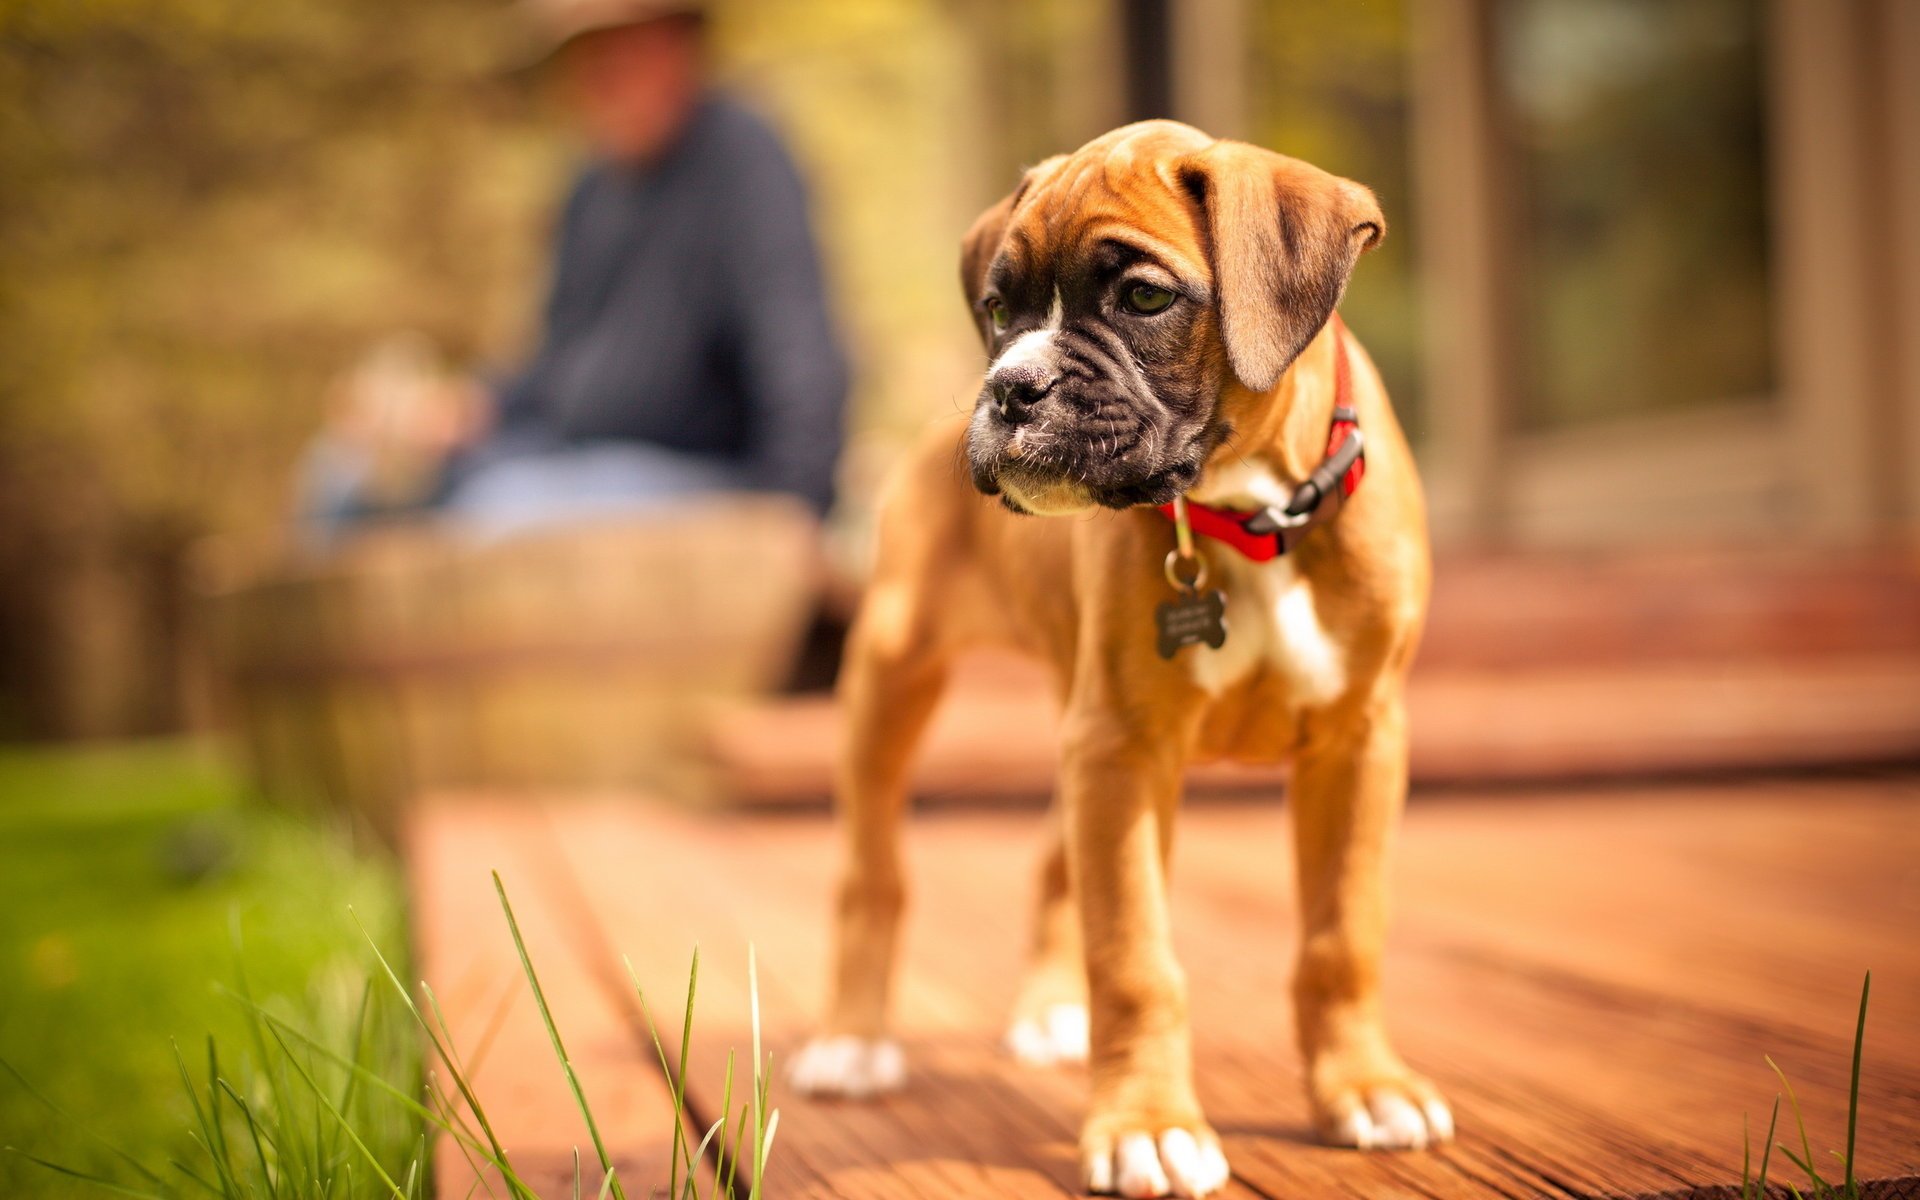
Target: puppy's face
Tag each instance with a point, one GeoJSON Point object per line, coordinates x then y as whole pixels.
{"type": "Point", "coordinates": [1122, 289]}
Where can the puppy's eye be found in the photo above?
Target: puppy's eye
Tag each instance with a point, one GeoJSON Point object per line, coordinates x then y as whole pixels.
{"type": "Point", "coordinates": [1146, 299]}
{"type": "Point", "coordinates": [997, 314]}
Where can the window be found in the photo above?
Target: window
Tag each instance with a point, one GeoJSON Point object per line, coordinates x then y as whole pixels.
{"type": "Point", "coordinates": [1640, 237]}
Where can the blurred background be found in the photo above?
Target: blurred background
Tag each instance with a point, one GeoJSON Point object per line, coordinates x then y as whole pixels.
{"type": "Point", "coordinates": [1649, 307]}
{"type": "Point", "coordinates": [1652, 274]}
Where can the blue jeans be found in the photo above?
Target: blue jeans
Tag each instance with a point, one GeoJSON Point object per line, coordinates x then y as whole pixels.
{"type": "Point", "coordinates": [518, 492]}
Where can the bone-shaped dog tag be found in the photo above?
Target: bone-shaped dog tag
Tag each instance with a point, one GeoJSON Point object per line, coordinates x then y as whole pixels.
{"type": "Point", "coordinates": [1194, 618]}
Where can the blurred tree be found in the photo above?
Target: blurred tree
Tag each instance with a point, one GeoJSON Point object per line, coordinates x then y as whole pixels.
{"type": "Point", "coordinates": [210, 206]}
{"type": "Point", "coordinates": [1330, 86]}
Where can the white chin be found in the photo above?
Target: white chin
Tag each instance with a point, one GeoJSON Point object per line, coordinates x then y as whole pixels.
{"type": "Point", "coordinates": [1049, 500]}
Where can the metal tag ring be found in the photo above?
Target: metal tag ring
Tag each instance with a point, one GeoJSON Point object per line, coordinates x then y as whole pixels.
{"type": "Point", "coordinates": [1172, 567]}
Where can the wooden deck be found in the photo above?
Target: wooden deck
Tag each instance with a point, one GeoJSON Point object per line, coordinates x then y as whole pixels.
{"type": "Point", "coordinates": [1593, 976]}
{"type": "Point", "coordinates": [995, 735]}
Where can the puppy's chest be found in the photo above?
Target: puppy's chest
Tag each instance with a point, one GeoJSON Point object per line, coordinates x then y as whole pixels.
{"type": "Point", "coordinates": [1277, 635]}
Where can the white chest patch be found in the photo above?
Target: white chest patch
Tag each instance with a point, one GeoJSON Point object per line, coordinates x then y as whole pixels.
{"type": "Point", "coordinates": [1272, 620]}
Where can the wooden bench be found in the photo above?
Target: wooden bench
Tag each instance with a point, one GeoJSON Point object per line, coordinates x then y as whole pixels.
{"type": "Point", "coordinates": [415, 658]}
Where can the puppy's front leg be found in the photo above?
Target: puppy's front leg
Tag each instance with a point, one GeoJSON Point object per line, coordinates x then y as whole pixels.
{"type": "Point", "coordinates": [1349, 785]}
{"type": "Point", "coordinates": [1144, 1133]}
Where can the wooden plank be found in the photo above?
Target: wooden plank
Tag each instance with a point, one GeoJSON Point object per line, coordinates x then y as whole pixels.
{"type": "Point", "coordinates": [1594, 979]}
{"type": "Point", "coordinates": [995, 734]}
{"type": "Point", "coordinates": [1539, 947]}
{"type": "Point", "coordinates": [690, 887]}
{"type": "Point", "coordinates": [1647, 606]}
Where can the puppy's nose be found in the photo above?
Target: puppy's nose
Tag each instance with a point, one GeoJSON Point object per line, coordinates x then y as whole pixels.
{"type": "Point", "coordinates": [1017, 389]}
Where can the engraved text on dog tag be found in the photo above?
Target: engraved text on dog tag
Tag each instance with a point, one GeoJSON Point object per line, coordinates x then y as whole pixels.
{"type": "Point", "coordinates": [1193, 618]}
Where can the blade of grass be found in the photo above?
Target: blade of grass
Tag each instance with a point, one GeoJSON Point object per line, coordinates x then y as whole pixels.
{"type": "Point", "coordinates": [320, 1094]}
{"type": "Point", "coordinates": [267, 1175]}
{"type": "Point", "coordinates": [1853, 1088]}
{"type": "Point", "coordinates": [490, 1032]}
{"type": "Point", "coordinates": [1805, 1163]}
{"type": "Point", "coordinates": [694, 1167]}
{"type": "Point", "coordinates": [349, 1088]}
{"type": "Point", "coordinates": [455, 1062]}
{"type": "Point", "coordinates": [99, 1181]}
{"type": "Point", "coordinates": [462, 1070]}
{"type": "Point", "coordinates": [1793, 1158]}
{"type": "Point", "coordinates": [659, 1050]}
{"type": "Point", "coordinates": [278, 1027]}
{"type": "Point", "coordinates": [412, 1182]}
{"type": "Point", "coordinates": [1766, 1152]}
{"type": "Point", "coordinates": [726, 1106]}
{"type": "Point", "coordinates": [739, 1144]}
{"type": "Point", "coordinates": [680, 1080]}
{"type": "Point", "coordinates": [446, 1057]}
{"type": "Point", "coordinates": [463, 1073]}
{"type": "Point", "coordinates": [279, 1089]}
{"type": "Point", "coordinates": [217, 1124]}
{"type": "Point", "coordinates": [553, 1032]}
{"type": "Point", "coordinates": [320, 1140]}
{"type": "Point", "coordinates": [205, 1141]}
{"type": "Point", "coordinates": [1746, 1159]}
{"type": "Point", "coordinates": [87, 1131]}
{"type": "Point", "coordinates": [193, 1176]}
{"type": "Point", "coordinates": [773, 1127]}
{"type": "Point", "coordinates": [445, 1107]}
{"type": "Point", "coordinates": [759, 1085]}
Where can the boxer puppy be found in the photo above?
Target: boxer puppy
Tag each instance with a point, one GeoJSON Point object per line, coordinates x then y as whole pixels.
{"type": "Point", "coordinates": [1158, 309]}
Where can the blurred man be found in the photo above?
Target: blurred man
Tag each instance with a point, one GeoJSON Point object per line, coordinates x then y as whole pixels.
{"type": "Point", "coordinates": [686, 347]}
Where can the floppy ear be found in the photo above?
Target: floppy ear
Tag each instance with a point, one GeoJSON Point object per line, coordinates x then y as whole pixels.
{"type": "Point", "coordinates": [981, 245]}
{"type": "Point", "coordinates": [1283, 237]}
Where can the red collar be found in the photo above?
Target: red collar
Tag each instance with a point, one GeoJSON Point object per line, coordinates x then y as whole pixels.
{"type": "Point", "coordinates": [1267, 533]}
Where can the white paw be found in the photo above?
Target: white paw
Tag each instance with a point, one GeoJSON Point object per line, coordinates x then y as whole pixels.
{"type": "Point", "coordinates": [1177, 1163]}
{"type": "Point", "coordinates": [1058, 1035]}
{"type": "Point", "coordinates": [844, 1065]}
{"type": "Point", "coordinates": [1391, 1118]}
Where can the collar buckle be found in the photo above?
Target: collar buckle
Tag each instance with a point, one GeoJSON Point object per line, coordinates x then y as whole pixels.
{"type": "Point", "coordinates": [1276, 520]}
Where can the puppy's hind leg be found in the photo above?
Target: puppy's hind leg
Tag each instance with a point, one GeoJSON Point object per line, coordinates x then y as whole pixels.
{"type": "Point", "coordinates": [891, 681]}
{"type": "Point", "coordinates": [1050, 1013]}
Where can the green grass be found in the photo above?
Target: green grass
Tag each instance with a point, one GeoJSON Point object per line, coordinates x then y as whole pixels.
{"type": "Point", "coordinates": [123, 874]}
{"type": "Point", "coordinates": [1755, 1187]}
{"type": "Point", "coordinates": [312, 1088]}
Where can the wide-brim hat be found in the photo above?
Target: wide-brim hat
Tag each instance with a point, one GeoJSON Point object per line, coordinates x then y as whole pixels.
{"type": "Point", "coordinates": [544, 26]}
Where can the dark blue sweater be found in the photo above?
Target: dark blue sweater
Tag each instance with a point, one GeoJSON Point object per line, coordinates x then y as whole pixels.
{"type": "Point", "coordinates": [688, 311]}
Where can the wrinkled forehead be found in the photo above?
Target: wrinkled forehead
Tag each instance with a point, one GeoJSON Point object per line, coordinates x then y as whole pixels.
{"type": "Point", "coordinates": [1117, 198]}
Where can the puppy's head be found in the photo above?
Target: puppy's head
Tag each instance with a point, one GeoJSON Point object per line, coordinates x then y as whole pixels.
{"type": "Point", "coordinates": [1122, 289]}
